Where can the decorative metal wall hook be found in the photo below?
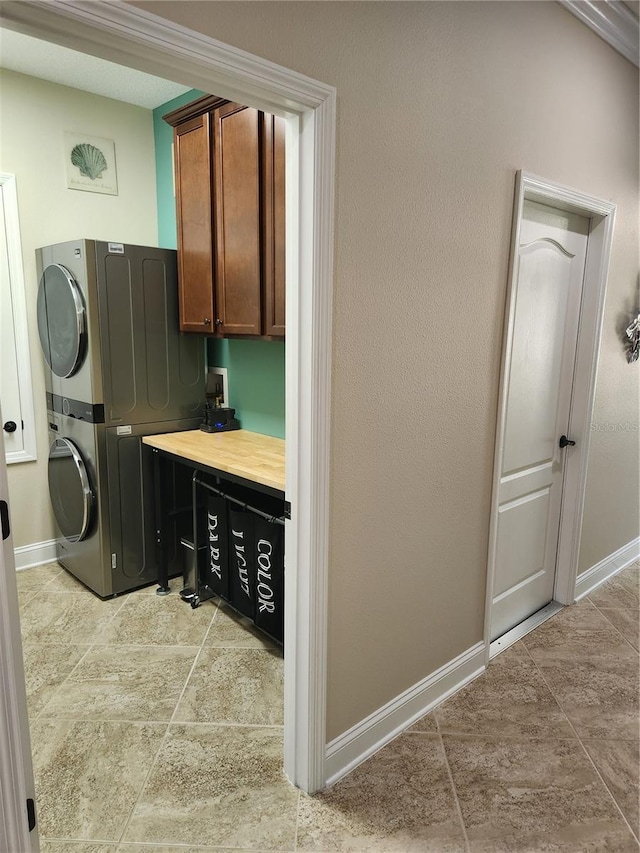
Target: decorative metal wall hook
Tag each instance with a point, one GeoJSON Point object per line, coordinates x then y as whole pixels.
{"type": "Point", "coordinates": [633, 344]}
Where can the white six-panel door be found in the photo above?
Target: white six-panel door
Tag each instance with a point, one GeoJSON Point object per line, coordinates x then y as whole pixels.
{"type": "Point", "coordinates": [549, 278]}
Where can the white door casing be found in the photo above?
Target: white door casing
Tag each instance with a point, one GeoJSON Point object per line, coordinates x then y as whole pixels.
{"type": "Point", "coordinates": [16, 391]}
{"type": "Point", "coordinates": [601, 216]}
{"type": "Point", "coordinates": [549, 272]}
{"type": "Point", "coordinates": [16, 770]}
{"type": "Point", "coordinates": [136, 38]}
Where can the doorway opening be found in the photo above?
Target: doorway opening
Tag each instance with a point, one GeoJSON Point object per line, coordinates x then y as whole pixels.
{"type": "Point", "coordinates": [560, 247]}
{"type": "Point", "coordinates": [148, 43]}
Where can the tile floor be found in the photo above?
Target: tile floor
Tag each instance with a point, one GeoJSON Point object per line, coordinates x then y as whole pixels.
{"type": "Point", "coordinates": [158, 729]}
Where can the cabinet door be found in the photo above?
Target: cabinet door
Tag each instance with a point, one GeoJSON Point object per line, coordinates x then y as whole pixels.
{"type": "Point", "coordinates": [237, 216]}
{"type": "Point", "coordinates": [274, 225]}
{"type": "Point", "coordinates": [195, 236]}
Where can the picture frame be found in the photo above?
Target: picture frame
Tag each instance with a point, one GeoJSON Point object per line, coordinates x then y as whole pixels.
{"type": "Point", "coordinates": [90, 163]}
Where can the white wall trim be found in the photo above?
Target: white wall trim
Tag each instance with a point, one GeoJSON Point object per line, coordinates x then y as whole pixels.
{"type": "Point", "coordinates": [21, 330]}
{"type": "Point", "coordinates": [602, 216]}
{"type": "Point", "coordinates": [36, 554]}
{"type": "Point", "coordinates": [121, 33]}
{"type": "Point", "coordinates": [607, 568]}
{"type": "Point", "coordinates": [354, 746]}
{"type": "Point", "coordinates": [612, 21]}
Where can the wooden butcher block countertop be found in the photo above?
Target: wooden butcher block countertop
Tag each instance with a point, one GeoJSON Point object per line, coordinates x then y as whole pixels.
{"type": "Point", "coordinates": [255, 457]}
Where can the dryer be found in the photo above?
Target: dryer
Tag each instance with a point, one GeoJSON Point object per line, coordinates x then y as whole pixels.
{"type": "Point", "coordinates": [108, 327]}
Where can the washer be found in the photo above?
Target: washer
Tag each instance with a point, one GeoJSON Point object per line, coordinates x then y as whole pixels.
{"type": "Point", "coordinates": [101, 491]}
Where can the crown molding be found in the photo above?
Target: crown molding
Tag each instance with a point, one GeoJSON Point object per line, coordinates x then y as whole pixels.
{"type": "Point", "coordinates": [612, 21]}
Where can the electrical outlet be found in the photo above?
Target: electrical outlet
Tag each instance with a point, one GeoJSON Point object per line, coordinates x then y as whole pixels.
{"type": "Point", "coordinates": [217, 376]}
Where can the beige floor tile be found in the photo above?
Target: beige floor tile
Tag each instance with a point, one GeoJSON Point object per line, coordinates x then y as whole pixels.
{"type": "Point", "coordinates": [625, 621]}
{"type": "Point", "coordinates": [618, 762]}
{"type": "Point", "coordinates": [172, 848]}
{"type": "Point", "coordinates": [124, 683]}
{"type": "Point", "coordinates": [533, 795]}
{"type": "Point", "coordinates": [31, 582]}
{"type": "Point", "coordinates": [230, 629]}
{"type": "Point", "coordinates": [75, 847]}
{"type": "Point", "coordinates": [89, 774]}
{"type": "Point", "coordinates": [217, 785]}
{"type": "Point", "coordinates": [577, 632]}
{"type": "Point", "coordinates": [509, 699]}
{"type": "Point", "coordinates": [156, 620]}
{"type": "Point", "coordinates": [630, 577]}
{"type": "Point", "coordinates": [401, 799]}
{"type": "Point", "coordinates": [24, 596]}
{"type": "Point", "coordinates": [426, 724]}
{"type": "Point", "coordinates": [518, 649]}
{"type": "Point", "coordinates": [45, 668]}
{"type": "Point", "coordinates": [621, 591]}
{"type": "Point", "coordinates": [235, 686]}
{"type": "Point", "coordinates": [58, 617]}
{"type": "Point", "coordinates": [64, 581]}
{"type": "Point", "coordinates": [37, 577]}
{"type": "Point", "coordinates": [598, 695]}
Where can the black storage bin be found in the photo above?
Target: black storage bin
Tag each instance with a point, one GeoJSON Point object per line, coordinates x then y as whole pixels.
{"type": "Point", "coordinates": [242, 560]}
{"type": "Point", "coordinates": [217, 535]}
{"type": "Point", "coordinates": [269, 577]}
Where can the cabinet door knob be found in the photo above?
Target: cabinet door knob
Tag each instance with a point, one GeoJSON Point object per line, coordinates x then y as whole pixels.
{"type": "Point", "coordinates": [218, 322]}
{"type": "Point", "coordinates": [206, 321]}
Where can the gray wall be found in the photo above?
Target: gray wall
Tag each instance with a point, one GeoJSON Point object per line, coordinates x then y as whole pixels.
{"type": "Point", "coordinates": [438, 105]}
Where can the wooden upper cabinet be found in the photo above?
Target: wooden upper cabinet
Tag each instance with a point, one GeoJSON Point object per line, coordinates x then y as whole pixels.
{"type": "Point", "coordinates": [236, 182]}
{"type": "Point", "coordinates": [195, 237]}
{"type": "Point", "coordinates": [230, 193]}
{"type": "Point", "coordinates": [273, 165]}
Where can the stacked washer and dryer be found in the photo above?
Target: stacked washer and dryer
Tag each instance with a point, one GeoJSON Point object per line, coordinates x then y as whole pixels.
{"type": "Point", "coordinates": [117, 369]}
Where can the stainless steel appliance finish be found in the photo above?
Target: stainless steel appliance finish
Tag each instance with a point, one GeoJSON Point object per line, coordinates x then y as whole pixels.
{"type": "Point", "coordinates": [101, 491]}
{"type": "Point", "coordinates": [108, 327]}
{"type": "Point", "coordinates": [117, 368]}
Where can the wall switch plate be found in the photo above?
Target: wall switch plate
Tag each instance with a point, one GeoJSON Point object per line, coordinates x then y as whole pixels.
{"type": "Point", "coordinates": [218, 376]}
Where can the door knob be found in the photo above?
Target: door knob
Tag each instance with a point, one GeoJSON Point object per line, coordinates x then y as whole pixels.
{"type": "Point", "coordinates": [566, 442]}
{"type": "Point", "coordinates": [10, 426]}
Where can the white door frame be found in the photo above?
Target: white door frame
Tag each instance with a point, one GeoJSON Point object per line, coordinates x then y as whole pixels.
{"type": "Point", "coordinates": [602, 216]}
{"type": "Point", "coordinates": [9, 192]}
{"type": "Point", "coordinates": [135, 38]}
{"type": "Point", "coordinates": [16, 768]}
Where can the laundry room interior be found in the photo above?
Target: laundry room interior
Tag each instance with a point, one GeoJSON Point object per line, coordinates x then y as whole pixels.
{"type": "Point", "coordinates": [438, 459]}
{"type": "Point", "coordinates": [128, 544]}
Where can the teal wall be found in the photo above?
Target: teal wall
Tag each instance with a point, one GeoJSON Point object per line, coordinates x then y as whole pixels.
{"type": "Point", "coordinates": [255, 368]}
{"type": "Point", "coordinates": [163, 137]}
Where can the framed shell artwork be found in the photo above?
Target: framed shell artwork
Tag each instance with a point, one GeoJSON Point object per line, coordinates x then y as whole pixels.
{"type": "Point", "coordinates": [90, 163]}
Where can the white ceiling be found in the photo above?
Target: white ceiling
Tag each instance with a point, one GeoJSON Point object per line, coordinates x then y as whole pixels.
{"type": "Point", "coordinates": [79, 71]}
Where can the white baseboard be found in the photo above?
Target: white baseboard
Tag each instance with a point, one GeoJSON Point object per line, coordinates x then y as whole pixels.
{"type": "Point", "coordinates": [27, 556]}
{"type": "Point", "coordinates": [350, 749]}
{"type": "Point", "coordinates": [606, 568]}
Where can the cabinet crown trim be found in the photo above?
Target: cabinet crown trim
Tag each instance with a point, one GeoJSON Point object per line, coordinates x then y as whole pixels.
{"type": "Point", "coordinates": [196, 108]}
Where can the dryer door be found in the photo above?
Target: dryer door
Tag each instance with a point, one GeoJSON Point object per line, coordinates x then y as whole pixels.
{"type": "Point", "coordinates": [61, 321]}
{"type": "Point", "coordinates": [72, 497]}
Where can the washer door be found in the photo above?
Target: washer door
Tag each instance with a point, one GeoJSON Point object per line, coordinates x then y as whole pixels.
{"type": "Point", "coordinates": [61, 321]}
{"type": "Point", "coordinates": [70, 490]}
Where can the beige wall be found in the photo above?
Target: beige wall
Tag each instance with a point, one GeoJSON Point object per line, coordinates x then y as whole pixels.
{"type": "Point", "coordinates": [35, 115]}
{"type": "Point", "coordinates": [438, 105]}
